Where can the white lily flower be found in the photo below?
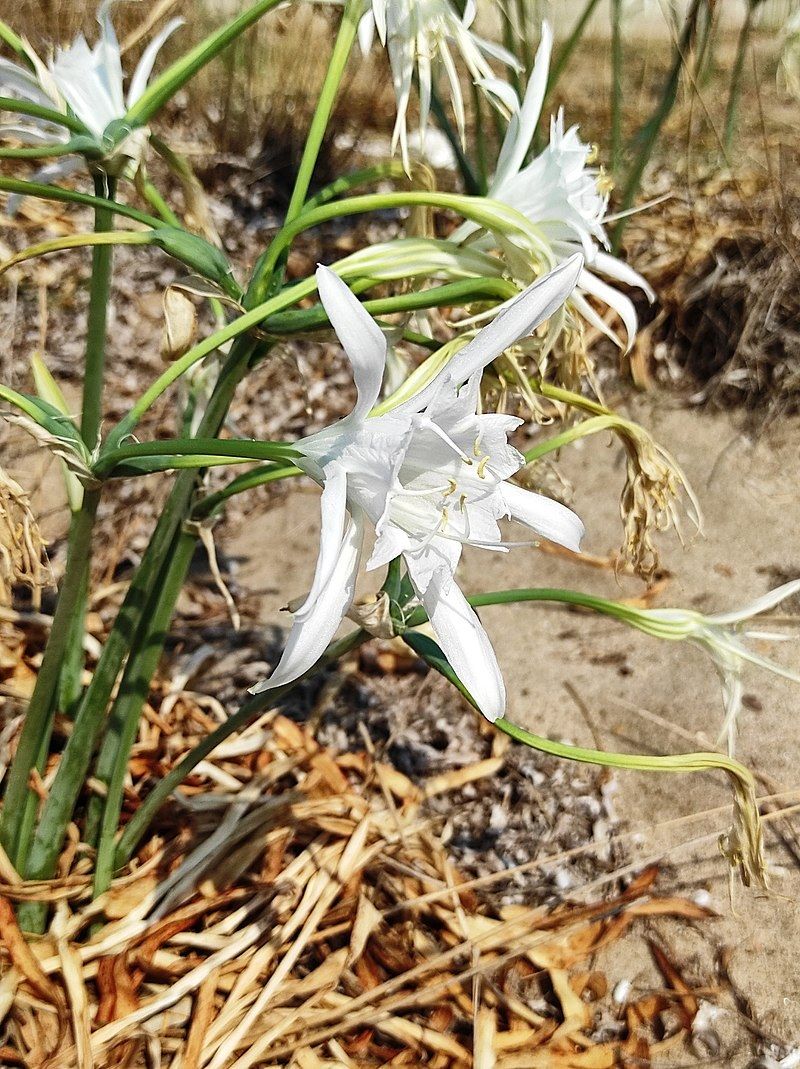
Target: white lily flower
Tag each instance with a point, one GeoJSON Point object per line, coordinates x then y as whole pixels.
{"type": "Point", "coordinates": [86, 82]}
{"type": "Point", "coordinates": [430, 475]}
{"type": "Point", "coordinates": [562, 195]}
{"type": "Point", "coordinates": [724, 637]}
{"type": "Point", "coordinates": [420, 34]}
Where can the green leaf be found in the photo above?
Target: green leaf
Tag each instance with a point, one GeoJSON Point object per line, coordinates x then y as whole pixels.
{"type": "Point", "coordinates": [179, 73]}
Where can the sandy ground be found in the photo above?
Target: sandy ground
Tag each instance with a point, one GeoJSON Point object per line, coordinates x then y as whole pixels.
{"type": "Point", "coordinates": [643, 696]}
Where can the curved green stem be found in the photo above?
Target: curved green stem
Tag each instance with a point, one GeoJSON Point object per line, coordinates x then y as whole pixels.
{"type": "Point", "coordinates": [72, 196]}
{"type": "Point", "coordinates": [37, 111]}
{"type": "Point", "coordinates": [572, 434]}
{"type": "Point", "coordinates": [77, 241]}
{"type": "Point", "coordinates": [238, 448]}
{"type": "Point", "coordinates": [268, 473]}
{"type": "Point", "coordinates": [349, 182]}
{"type": "Point", "coordinates": [254, 705]}
{"type": "Point", "coordinates": [484, 211]}
{"type": "Point", "coordinates": [49, 152]}
{"type": "Point", "coordinates": [452, 293]}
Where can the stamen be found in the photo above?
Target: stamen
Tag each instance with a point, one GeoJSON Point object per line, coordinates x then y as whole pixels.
{"type": "Point", "coordinates": [429, 423]}
{"type": "Point", "coordinates": [482, 467]}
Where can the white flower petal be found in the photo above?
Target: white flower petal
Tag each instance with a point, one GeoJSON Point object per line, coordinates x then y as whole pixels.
{"type": "Point", "coordinates": [21, 82]}
{"type": "Point", "coordinates": [617, 269]}
{"type": "Point", "coordinates": [522, 127]}
{"type": "Point", "coordinates": [310, 636]}
{"type": "Point", "coordinates": [144, 67]}
{"type": "Point", "coordinates": [517, 320]}
{"type": "Point", "coordinates": [621, 304]}
{"type": "Point", "coordinates": [548, 518]}
{"type": "Point", "coordinates": [366, 32]}
{"type": "Point", "coordinates": [333, 512]}
{"type": "Point", "coordinates": [465, 643]}
{"type": "Point", "coordinates": [762, 604]}
{"type": "Point", "coordinates": [361, 337]}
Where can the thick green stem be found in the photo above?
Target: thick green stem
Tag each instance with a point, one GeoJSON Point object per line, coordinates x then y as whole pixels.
{"type": "Point", "coordinates": [19, 808]}
{"type": "Point", "coordinates": [71, 681]}
{"type": "Point", "coordinates": [112, 764]}
{"type": "Point", "coordinates": [254, 705]}
{"type": "Point", "coordinates": [91, 713]}
{"type": "Point", "coordinates": [233, 448]}
{"type": "Point", "coordinates": [37, 111]}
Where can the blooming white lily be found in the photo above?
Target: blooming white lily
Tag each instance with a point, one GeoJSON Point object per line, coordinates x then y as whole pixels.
{"type": "Point", "coordinates": [430, 475]}
{"type": "Point", "coordinates": [723, 636]}
{"type": "Point", "coordinates": [564, 197]}
{"type": "Point", "coordinates": [419, 33]}
{"type": "Point", "coordinates": [88, 82]}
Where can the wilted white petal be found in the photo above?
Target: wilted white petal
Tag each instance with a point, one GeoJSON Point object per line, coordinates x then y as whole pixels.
{"type": "Point", "coordinates": [465, 643]}
{"type": "Point", "coordinates": [548, 518]}
{"type": "Point", "coordinates": [310, 636]}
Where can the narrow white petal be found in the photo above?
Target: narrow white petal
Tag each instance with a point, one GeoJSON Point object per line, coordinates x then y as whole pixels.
{"type": "Point", "coordinates": [465, 643]}
{"type": "Point", "coordinates": [517, 320]}
{"type": "Point", "coordinates": [593, 317]}
{"type": "Point", "coordinates": [51, 172]}
{"type": "Point", "coordinates": [366, 32]}
{"type": "Point", "coordinates": [144, 67]}
{"type": "Point", "coordinates": [361, 337]}
{"type": "Point", "coordinates": [522, 127]}
{"type": "Point", "coordinates": [548, 518]}
{"type": "Point", "coordinates": [610, 266]}
{"type": "Point", "coordinates": [621, 304]}
{"type": "Point", "coordinates": [762, 604]}
{"type": "Point", "coordinates": [311, 635]}
{"type": "Point", "coordinates": [108, 57]}
{"type": "Point", "coordinates": [22, 83]}
{"type": "Point", "coordinates": [333, 511]}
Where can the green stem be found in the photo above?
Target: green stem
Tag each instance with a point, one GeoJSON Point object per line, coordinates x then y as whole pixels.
{"type": "Point", "coordinates": [268, 473]}
{"type": "Point", "coordinates": [551, 594]}
{"type": "Point", "coordinates": [179, 367]}
{"type": "Point", "coordinates": [349, 182]}
{"type": "Point", "coordinates": [72, 196]}
{"type": "Point", "coordinates": [452, 293]}
{"type": "Point", "coordinates": [325, 102]}
{"type": "Point", "coordinates": [237, 449]}
{"type": "Point", "coordinates": [112, 765]}
{"type": "Point", "coordinates": [20, 803]}
{"type": "Point", "coordinates": [572, 434]}
{"type": "Point", "coordinates": [37, 111]}
{"type": "Point", "coordinates": [485, 212]}
{"type": "Point", "coordinates": [99, 294]}
{"type": "Point", "coordinates": [90, 716]}
{"type": "Point", "coordinates": [44, 152]}
{"type": "Point", "coordinates": [254, 705]}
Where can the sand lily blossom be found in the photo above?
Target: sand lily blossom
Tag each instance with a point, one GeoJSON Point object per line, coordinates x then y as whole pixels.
{"type": "Point", "coordinates": [83, 82]}
{"type": "Point", "coordinates": [430, 476]}
{"type": "Point", "coordinates": [562, 195]}
{"type": "Point", "coordinates": [420, 35]}
{"type": "Point", "coordinates": [725, 637]}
